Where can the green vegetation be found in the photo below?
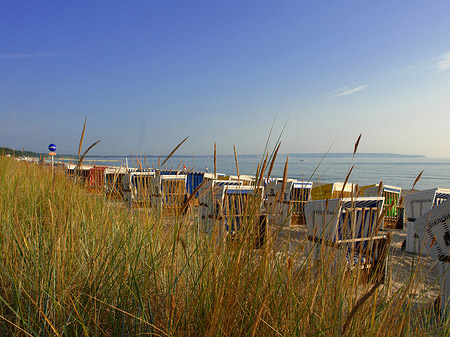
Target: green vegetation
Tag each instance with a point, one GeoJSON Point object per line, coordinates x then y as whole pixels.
{"type": "Point", "coordinates": [7, 151]}
{"type": "Point", "coordinates": [74, 264]}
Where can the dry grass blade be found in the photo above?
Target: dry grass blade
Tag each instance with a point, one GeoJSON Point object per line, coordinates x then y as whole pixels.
{"type": "Point", "coordinates": [15, 325]}
{"type": "Point", "coordinates": [186, 204]}
{"type": "Point", "coordinates": [272, 163]}
{"type": "Point", "coordinates": [260, 174]}
{"type": "Point", "coordinates": [345, 182]}
{"type": "Point", "coordinates": [174, 150]}
{"type": "Point", "coordinates": [383, 214]}
{"type": "Point", "coordinates": [82, 137]}
{"type": "Point", "coordinates": [42, 313]}
{"type": "Point", "coordinates": [236, 160]}
{"type": "Point", "coordinates": [283, 184]}
{"type": "Point", "coordinates": [128, 314]}
{"type": "Point", "coordinates": [380, 188]}
{"type": "Point", "coordinates": [357, 144]}
{"type": "Point", "coordinates": [85, 153]}
{"type": "Point", "coordinates": [215, 160]}
{"type": "Point", "coordinates": [321, 160]}
{"type": "Point", "coordinates": [417, 180]}
{"type": "Point", "coordinates": [358, 305]}
{"type": "Point", "coordinates": [402, 199]}
{"type": "Point", "coordinates": [358, 191]}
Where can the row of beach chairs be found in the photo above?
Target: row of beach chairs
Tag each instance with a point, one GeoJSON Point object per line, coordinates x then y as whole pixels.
{"type": "Point", "coordinates": [338, 220]}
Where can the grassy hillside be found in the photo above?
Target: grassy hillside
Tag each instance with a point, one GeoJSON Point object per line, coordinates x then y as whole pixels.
{"type": "Point", "coordinates": [73, 264]}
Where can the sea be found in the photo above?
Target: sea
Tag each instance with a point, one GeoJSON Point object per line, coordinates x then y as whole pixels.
{"type": "Point", "coordinates": [365, 169]}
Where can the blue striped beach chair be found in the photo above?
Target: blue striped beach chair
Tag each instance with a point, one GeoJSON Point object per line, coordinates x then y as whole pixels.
{"type": "Point", "coordinates": [350, 226]}
{"type": "Point", "coordinates": [242, 212]}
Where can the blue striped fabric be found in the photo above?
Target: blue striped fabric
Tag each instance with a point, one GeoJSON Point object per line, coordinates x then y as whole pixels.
{"type": "Point", "coordinates": [302, 185]}
{"type": "Point", "coordinates": [355, 258]}
{"type": "Point", "coordinates": [227, 183]}
{"type": "Point", "coordinates": [392, 189]}
{"type": "Point", "coordinates": [361, 203]}
{"type": "Point", "coordinates": [440, 198]}
{"type": "Point", "coordinates": [242, 190]}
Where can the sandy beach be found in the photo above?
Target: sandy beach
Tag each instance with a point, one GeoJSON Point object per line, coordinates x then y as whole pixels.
{"type": "Point", "coordinates": [426, 285]}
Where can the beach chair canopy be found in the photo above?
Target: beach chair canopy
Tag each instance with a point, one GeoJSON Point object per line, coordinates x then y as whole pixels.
{"type": "Point", "coordinates": [421, 202]}
{"type": "Point", "coordinates": [340, 219]}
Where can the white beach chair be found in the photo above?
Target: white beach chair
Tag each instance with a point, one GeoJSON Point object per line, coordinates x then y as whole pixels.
{"type": "Point", "coordinates": [282, 206]}
{"type": "Point", "coordinates": [210, 199]}
{"type": "Point", "coordinates": [242, 213]}
{"type": "Point", "coordinates": [114, 177]}
{"type": "Point", "coordinates": [169, 192]}
{"type": "Point", "coordinates": [278, 203]}
{"type": "Point", "coordinates": [137, 187]}
{"type": "Point", "coordinates": [433, 231]}
{"type": "Point", "coordinates": [351, 226]}
{"type": "Point", "coordinates": [417, 204]}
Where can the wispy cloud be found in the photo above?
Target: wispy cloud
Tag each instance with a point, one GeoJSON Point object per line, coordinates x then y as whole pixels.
{"type": "Point", "coordinates": [345, 91]}
{"type": "Point", "coordinates": [28, 56]}
{"type": "Point", "coordinates": [444, 62]}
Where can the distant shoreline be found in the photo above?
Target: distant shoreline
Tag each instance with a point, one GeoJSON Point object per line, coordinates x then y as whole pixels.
{"type": "Point", "coordinates": [293, 155]}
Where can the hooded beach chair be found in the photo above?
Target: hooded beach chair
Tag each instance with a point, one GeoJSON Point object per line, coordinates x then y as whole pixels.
{"type": "Point", "coordinates": [300, 195]}
{"type": "Point", "coordinates": [241, 212]}
{"type": "Point", "coordinates": [349, 228]}
{"type": "Point", "coordinates": [333, 190]}
{"type": "Point", "coordinates": [433, 231]}
{"type": "Point", "coordinates": [210, 200]}
{"type": "Point", "coordinates": [169, 192]}
{"type": "Point", "coordinates": [283, 206]}
{"type": "Point", "coordinates": [114, 177]}
{"type": "Point", "coordinates": [137, 187]}
{"type": "Point", "coordinates": [417, 204]}
{"type": "Point", "coordinates": [96, 179]}
{"type": "Point", "coordinates": [278, 203]}
{"type": "Point", "coordinates": [395, 216]}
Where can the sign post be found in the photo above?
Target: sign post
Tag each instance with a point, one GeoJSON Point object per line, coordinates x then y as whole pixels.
{"type": "Point", "coordinates": [52, 149]}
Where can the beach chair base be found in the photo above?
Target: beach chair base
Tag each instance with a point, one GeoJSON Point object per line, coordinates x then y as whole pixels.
{"type": "Point", "coordinates": [370, 262]}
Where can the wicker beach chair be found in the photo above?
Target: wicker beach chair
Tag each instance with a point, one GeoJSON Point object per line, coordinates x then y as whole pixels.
{"type": "Point", "coordinates": [137, 187]}
{"type": "Point", "coordinates": [417, 204]}
{"type": "Point", "coordinates": [242, 215]}
{"type": "Point", "coordinates": [433, 231]}
{"type": "Point", "coordinates": [348, 229]}
{"type": "Point", "coordinates": [394, 216]}
{"type": "Point", "coordinates": [169, 192]}
{"type": "Point", "coordinates": [210, 198]}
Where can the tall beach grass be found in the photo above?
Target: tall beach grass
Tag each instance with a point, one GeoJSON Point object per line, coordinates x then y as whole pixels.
{"type": "Point", "coordinates": [75, 264]}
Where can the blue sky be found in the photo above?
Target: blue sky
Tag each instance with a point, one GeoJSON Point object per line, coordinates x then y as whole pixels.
{"type": "Point", "coordinates": [146, 74]}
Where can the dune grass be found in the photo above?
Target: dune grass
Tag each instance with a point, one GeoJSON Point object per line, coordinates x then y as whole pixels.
{"type": "Point", "coordinates": [74, 264]}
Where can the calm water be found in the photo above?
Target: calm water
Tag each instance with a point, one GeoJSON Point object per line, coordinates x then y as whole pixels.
{"type": "Point", "coordinates": [392, 171]}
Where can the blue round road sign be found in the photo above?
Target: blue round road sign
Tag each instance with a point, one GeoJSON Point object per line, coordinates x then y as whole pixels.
{"type": "Point", "coordinates": [52, 147]}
